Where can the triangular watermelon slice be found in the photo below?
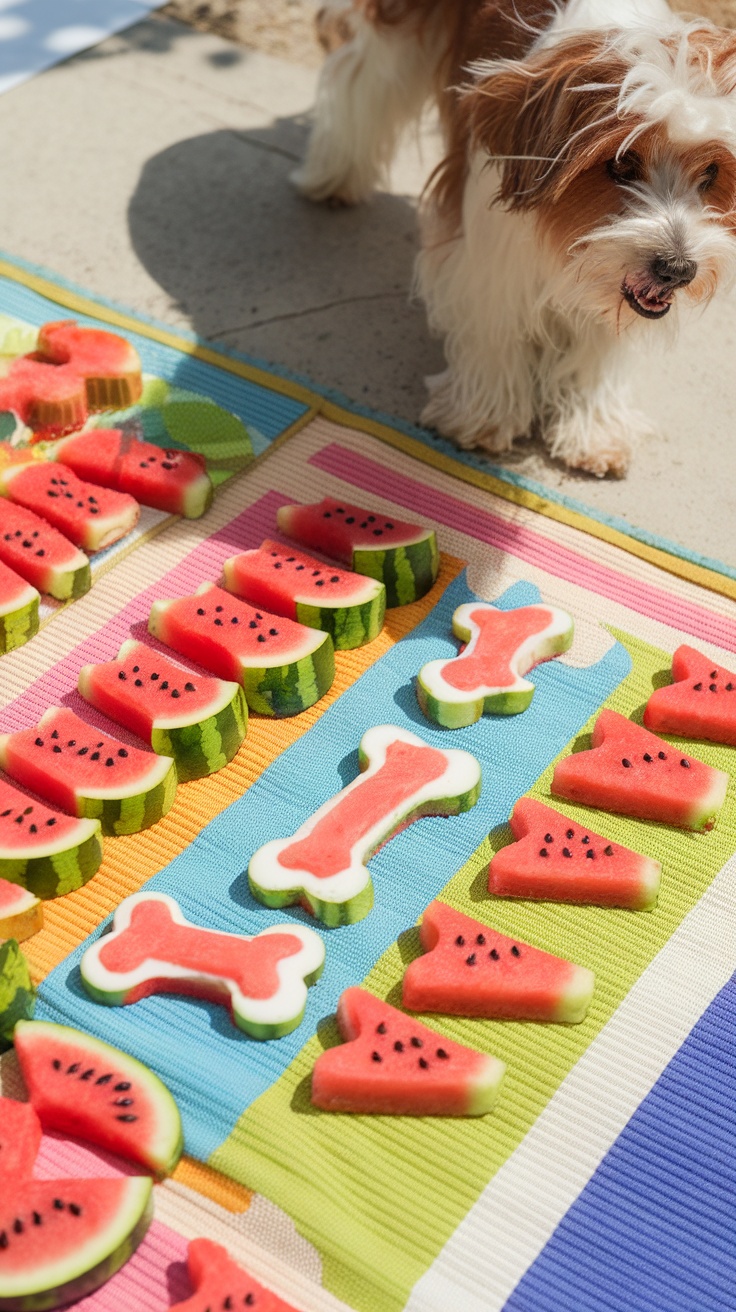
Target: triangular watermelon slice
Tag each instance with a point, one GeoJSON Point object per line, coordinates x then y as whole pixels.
{"type": "Point", "coordinates": [391, 1064]}
{"type": "Point", "coordinates": [90, 516]}
{"type": "Point", "coordinates": [701, 703]}
{"type": "Point", "coordinates": [469, 969]}
{"type": "Point", "coordinates": [631, 771]}
{"type": "Point", "coordinates": [20, 1138]}
{"type": "Point", "coordinates": [221, 1283]}
{"type": "Point", "coordinates": [560, 861]}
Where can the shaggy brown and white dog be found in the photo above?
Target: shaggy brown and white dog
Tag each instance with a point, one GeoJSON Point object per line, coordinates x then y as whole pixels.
{"type": "Point", "coordinates": [588, 184]}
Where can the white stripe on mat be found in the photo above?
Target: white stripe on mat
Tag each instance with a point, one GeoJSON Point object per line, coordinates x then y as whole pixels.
{"type": "Point", "coordinates": [516, 1214]}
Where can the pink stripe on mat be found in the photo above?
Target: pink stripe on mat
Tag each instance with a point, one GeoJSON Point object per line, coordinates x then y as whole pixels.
{"type": "Point", "coordinates": [153, 1279]}
{"type": "Point", "coordinates": [526, 545]}
{"type": "Point", "coordinates": [202, 563]}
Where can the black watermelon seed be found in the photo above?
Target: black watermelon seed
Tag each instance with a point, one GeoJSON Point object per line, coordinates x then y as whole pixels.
{"type": "Point", "coordinates": [442, 1054]}
{"type": "Point", "coordinates": [371, 519]}
{"type": "Point", "coordinates": [109, 761]}
{"type": "Point", "coordinates": [18, 1226]}
{"type": "Point", "coordinates": [585, 840]}
{"type": "Point", "coordinates": [3, 1239]}
{"type": "Point", "coordinates": [515, 952]}
{"type": "Point", "coordinates": [175, 692]}
{"type": "Point", "coordinates": [234, 619]}
{"type": "Point", "coordinates": [480, 939]}
{"type": "Point", "coordinates": [590, 853]}
{"type": "Point", "coordinates": [376, 1056]}
{"type": "Point", "coordinates": [261, 637]}
{"type": "Point", "coordinates": [253, 624]}
{"type": "Point", "coordinates": [87, 1075]}
{"type": "Point", "coordinates": [139, 683]}
{"type": "Point", "coordinates": [729, 687]}
{"type": "Point", "coordinates": [274, 633]}
{"type": "Point", "coordinates": [335, 578]}
{"type": "Point", "coordinates": [37, 1218]}
{"type": "Point", "coordinates": [123, 1102]}
{"type": "Point", "coordinates": [422, 1060]}
{"type": "Point", "coordinates": [460, 941]}
{"type": "Point", "coordinates": [104, 1079]}
{"type": "Point", "coordinates": [219, 622]}
{"type": "Point", "coordinates": [164, 685]}
{"type": "Point", "coordinates": [39, 742]}
{"type": "Point", "coordinates": [714, 674]}
{"type": "Point", "coordinates": [470, 961]}
{"type": "Point", "coordinates": [126, 1118]}
{"type": "Point", "coordinates": [301, 567]}
{"type": "Point", "coordinates": [608, 851]}
{"type": "Point", "coordinates": [662, 756]}
{"type": "Point", "coordinates": [713, 687]}
{"type": "Point", "coordinates": [278, 565]}
{"type": "Point", "coordinates": [41, 551]}
{"type": "Point", "coordinates": [55, 733]}
{"type": "Point", "coordinates": [72, 742]}
{"type": "Point", "coordinates": [122, 1087]}
{"type": "Point", "coordinates": [56, 1064]}
{"type": "Point", "coordinates": [218, 610]}
{"type": "Point", "coordinates": [320, 583]}
{"type": "Point", "coordinates": [327, 514]}
{"type": "Point", "coordinates": [154, 676]}
{"type": "Point", "coordinates": [52, 821]}
{"type": "Point", "coordinates": [626, 763]}
{"type": "Point", "coordinates": [398, 1046]}
{"type": "Point", "coordinates": [566, 851]}
{"type": "Point", "coordinates": [685, 764]}
{"type": "Point", "coordinates": [200, 611]}
{"type": "Point", "coordinates": [136, 669]}
{"type": "Point", "coordinates": [543, 851]}
{"type": "Point", "coordinates": [122, 752]}
{"type": "Point", "coordinates": [249, 1300]}
{"type": "Point", "coordinates": [96, 755]}
{"type": "Point", "coordinates": [493, 954]}
{"type": "Point", "coordinates": [647, 757]}
{"type": "Point", "coordinates": [83, 751]}
{"type": "Point", "coordinates": [378, 532]}
{"type": "Point", "coordinates": [290, 560]}
{"type": "Point", "coordinates": [33, 829]}
{"type": "Point", "coordinates": [697, 687]}
{"type": "Point", "coordinates": [75, 1209]}
{"type": "Point", "coordinates": [122, 674]}
{"type": "Point", "coordinates": [416, 1043]}
{"type": "Point", "coordinates": [59, 1204]}
{"type": "Point", "coordinates": [387, 525]}
{"type": "Point", "coordinates": [548, 838]}
{"type": "Point", "coordinates": [381, 1029]}
{"type": "Point", "coordinates": [72, 1070]}
{"type": "Point", "coordinates": [189, 687]}
{"type": "Point", "coordinates": [350, 519]}
{"type": "Point", "coordinates": [570, 833]}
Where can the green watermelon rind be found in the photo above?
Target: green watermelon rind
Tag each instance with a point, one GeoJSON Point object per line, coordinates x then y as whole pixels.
{"type": "Point", "coordinates": [57, 873]}
{"type": "Point", "coordinates": [114, 1246]}
{"type": "Point", "coordinates": [281, 690]}
{"type": "Point", "coordinates": [206, 746]}
{"type": "Point", "coordinates": [348, 626]}
{"type": "Point", "coordinates": [19, 623]}
{"type": "Point", "coordinates": [17, 994]}
{"type": "Point", "coordinates": [406, 572]}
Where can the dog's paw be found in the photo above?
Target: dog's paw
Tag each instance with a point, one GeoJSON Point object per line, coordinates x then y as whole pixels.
{"type": "Point", "coordinates": [451, 415]}
{"type": "Point", "coordinates": [614, 458]}
{"type": "Point", "coordinates": [598, 444]}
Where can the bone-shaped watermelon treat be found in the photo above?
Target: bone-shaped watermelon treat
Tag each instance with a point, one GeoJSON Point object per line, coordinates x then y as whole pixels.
{"type": "Point", "coordinates": [153, 948]}
{"type": "Point", "coordinates": [700, 703]}
{"type": "Point", "coordinates": [633, 772]}
{"type": "Point", "coordinates": [221, 1283]}
{"type": "Point", "coordinates": [487, 676]}
{"type": "Point", "coordinates": [323, 865]}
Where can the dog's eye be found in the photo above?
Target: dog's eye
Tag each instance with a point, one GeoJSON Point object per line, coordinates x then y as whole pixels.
{"type": "Point", "coordinates": [625, 168]}
{"type": "Point", "coordinates": [708, 177]}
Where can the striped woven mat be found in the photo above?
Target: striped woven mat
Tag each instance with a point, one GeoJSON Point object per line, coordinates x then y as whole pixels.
{"type": "Point", "coordinates": [605, 1178]}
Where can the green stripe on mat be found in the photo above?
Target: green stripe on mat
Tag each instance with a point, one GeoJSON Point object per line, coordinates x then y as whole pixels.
{"type": "Point", "coordinates": [379, 1196]}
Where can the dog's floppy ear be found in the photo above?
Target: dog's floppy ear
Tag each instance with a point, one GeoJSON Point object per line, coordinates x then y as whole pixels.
{"type": "Point", "coordinates": [548, 117]}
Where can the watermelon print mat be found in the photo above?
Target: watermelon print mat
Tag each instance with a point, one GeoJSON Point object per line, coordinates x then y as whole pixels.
{"type": "Point", "coordinates": [605, 1179]}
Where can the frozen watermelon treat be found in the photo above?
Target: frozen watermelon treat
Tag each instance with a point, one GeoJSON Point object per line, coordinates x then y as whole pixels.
{"type": "Point", "coordinates": [153, 948]}
{"type": "Point", "coordinates": [42, 849]}
{"type": "Point", "coordinates": [323, 865]}
{"type": "Point", "coordinates": [557, 860]}
{"type": "Point", "coordinates": [174, 481]}
{"type": "Point", "coordinates": [198, 721]}
{"type": "Point", "coordinates": [221, 1283]}
{"type": "Point", "coordinates": [283, 666]}
{"type": "Point", "coordinates": [699, 703]}
{"type": "Point", "coordinates": [350, 607]}
{"type": "Point", "coordinates": [91, 517]}
{"type": "Point", "coordinates": [631, 771]}
{"type": "Point", "coordinates": [391, 1064]}
{"type": "Point", "coordinates": [21, 914]}
{"type": "Point", "coordinates": [86, 772]}
{"type": "Point", "coordinates": [41, 555]}
{"type": "Point", "coordinates": [487, 676]}
{"type": "Point", "coordinates": [403, 557]}
{"type": "Point", "coordinates": [470, 969]}
{"type": "Point", "coordinates": [18, 609]}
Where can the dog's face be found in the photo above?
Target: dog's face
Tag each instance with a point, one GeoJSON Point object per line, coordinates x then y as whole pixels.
{"type": "Point", "coordinates": [624, 149]}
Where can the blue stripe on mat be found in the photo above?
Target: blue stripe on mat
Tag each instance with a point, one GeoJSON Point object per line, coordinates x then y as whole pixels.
{"type": "Point", "coordinates": [214, 1071]}
{"type": "Point", "coordinates": [654, 1230]}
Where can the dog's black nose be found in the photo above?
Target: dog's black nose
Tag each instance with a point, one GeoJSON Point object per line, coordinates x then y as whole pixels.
{"type": "Point", "coordinates": [673, 271]}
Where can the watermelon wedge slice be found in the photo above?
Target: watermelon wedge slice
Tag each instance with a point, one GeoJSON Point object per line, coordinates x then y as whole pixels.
{"type": "Point", "coordinates": [393, 1065]}
{"type": "Point", "coordinates": [65, 1238]}
{"type": "Point", "coordinates": [20, 1138]}
{"type": "Point", "coordinates": [42, 555]}
{"type": "Point", "coordinates": [403, 557]}
{"type": "Point", "coordinates": [350, 607]}
{"type": "Point", "coordinates": [557, 860]}
{"type": "Point", "coordinates": [17, 993]}
{"type": "Point", "coordinates": [42, 849]}
{"type": "Point", "coordinates": [198, 721]}
{"type": "Point", "coordinates": [700, 703]}
{"type": "Point", "coordinates": [21, 914]}
{"type": "Point", "coordinates": [221, 1283]}
{"type": "Point", "coordinates": [18, 609]}
{"type": "Point", "coordinates": [84, 1087]}
{"type": "Point", "coordinates": [174, 481]}
{"type": "Point", "coordinates": [469, 969]}
{"type": "Point", "coordinates": [73, 372]}
{"type": "Point", "coordinates": [87, 773]}
{"type": "Point", "coordinates": [631, 771]}
{"type": "Point", "coordinates": [487, 676]}
{"type": "Point", "coordinates": [283, 666]}
{"type": "Point", "coordinates": [91, 517]}
{"type": "Point", "coordinates": [323, 865]}
{"type": "Point", "coordinates": [153, 948]}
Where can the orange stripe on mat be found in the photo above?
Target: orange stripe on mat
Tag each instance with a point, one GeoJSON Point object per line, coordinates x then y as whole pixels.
{"type": "Point", "coordinates": [130, 861]}
{"type": "Point", "coordinates": [213, 1185]}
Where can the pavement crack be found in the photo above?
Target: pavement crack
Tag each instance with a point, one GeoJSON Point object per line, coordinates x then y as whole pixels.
{"type": "Point", "coordinates": [310, 309]}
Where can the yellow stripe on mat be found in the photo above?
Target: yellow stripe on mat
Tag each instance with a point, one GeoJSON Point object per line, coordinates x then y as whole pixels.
{"type": "Point", "coordinates": [130, 861]}
{"type": "Point", "coordinates": [317, 404]}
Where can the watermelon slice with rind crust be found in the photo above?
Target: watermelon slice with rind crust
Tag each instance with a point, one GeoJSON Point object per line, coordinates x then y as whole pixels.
{"type": "Point", "coordinates": [220, 1283]}
{"type": "Point", "coordinates": [487, 676]}
{"type": "Point", "coordinates": [153, 948]}
{"type": "Point", "coordinates": [701, 703]}
{"type": "Point", "coordinates": [558, 860]}
{"type": "Point", "coordinates": [173, 481]}
{"type": "Point", "coordinates": [284, 667]}
{"type": "Point", "coordinates": [42, 849]}
{"type": "Point", "coordinates": [21, 914]}
{"type": "Point", "coordinates": [20, 1139]}
{"type": "Point", "coordinates": [65, 1238]}
{"type": "Point", "coordinates": [633, 772]}
{"type": "Point", "coordinates": [323, 865]}
{"type": "Point", "coordinates": [87, 773]}
{"type": "Point", "coordinates": [91, 517]}
{"type": "Point", "coordinates": [18, 609]}
{"type": "Point", "coordinates": [391, 1064]}
{"type": "Point", "coordinates": [350, 607]}
{"type": "Point", "coordinates": [86, 1088]}
{"type": "Point", "coordinates": [470, 969]}
{"type": "Point", "coordinates": [404, 557]}
{"type": "Point", "coordinates": [42, 555]}
{"type": "Point", "coordinates": [198, 720]}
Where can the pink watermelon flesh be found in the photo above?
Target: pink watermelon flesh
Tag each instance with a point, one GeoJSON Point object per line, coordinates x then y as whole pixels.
{"type": "Point", "coordinates": [20, 1139]}
{"type": "Point", "coordinates": [631, 771]}
{"type": "Point", "coordinates": [90, 516]}
{"type": "Point", "coordinates": [173, 481]}
{"type": "Point", "coordinates": [557, 860]}
{"type": "Point", "coordinates": [338, 528]}
{"type": "Point", "coordinates": [74, 371]}
{"type": "Point", "coordinates": [27, 825]}
{"type": "Point", "coordinates": [61, 1239]}
{"type": "Point", "coordinates": [86, 1088]}
{"type": "Point", "coordinates": [221, 1283]}
{"type": "Point", "coordinates": [14, 590]}
{"type": "Point", "coordinates": [502, 633]}
{"type": "Point", "coordinates": [21, 913]}
{"type": "Point", "coordinates": [276, 577]}
{"type": "Point", "coordinates": [41, 554]}
{"type": "Point", "coordinates": [701, 703]}
{"type": "Point", "coordinates": [392, 1064]}
{"type": "Point", "coordinates": [469, 969]}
